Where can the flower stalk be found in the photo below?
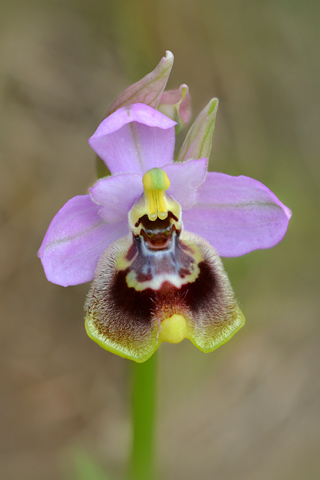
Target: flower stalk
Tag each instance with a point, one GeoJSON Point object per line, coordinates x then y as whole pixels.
{"type": "Point", "coordinates": [144, 380]}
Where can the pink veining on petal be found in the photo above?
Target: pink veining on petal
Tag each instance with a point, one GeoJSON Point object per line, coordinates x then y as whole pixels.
{"type": "Point", "coordinates": [237, 215]}
{"type": "Point", "coordinates": [75, 240]}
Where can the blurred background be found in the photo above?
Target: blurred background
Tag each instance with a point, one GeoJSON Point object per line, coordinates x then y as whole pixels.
{"type": "Point", "coordinates": [248, 411]}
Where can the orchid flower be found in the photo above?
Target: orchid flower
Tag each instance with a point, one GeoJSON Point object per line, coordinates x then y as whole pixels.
{"type": "Point", "coordinates": [150, 235]}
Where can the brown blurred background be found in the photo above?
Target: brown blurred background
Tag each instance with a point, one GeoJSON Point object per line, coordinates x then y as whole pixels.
{"type": "Point", "coordinates": [250, 410]}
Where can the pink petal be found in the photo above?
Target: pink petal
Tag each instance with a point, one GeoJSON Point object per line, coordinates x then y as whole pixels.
{"type": "Point", "coordinates": [237, 215]}
{"type": "Point", "coordinates": [176, 104]}
{"type": "Point", "coordinates": [75, 240]}
{"type": "Point", "coordinates": [126, 143]}
{"type": "Point", "coordinates": [149, 89]}
{"type": "Point", "coordinates": [116, 195]}
{"type": "Point", "coordinates": [185, 179]}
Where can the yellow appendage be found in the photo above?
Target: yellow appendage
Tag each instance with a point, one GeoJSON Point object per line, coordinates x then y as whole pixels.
{"type": "Point", "coordinates": [173, 329]}
{"type": "Point", "coordinates": [155, 183]}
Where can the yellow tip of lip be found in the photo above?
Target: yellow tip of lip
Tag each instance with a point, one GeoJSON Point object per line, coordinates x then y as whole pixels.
{"type": "Point", "coordinates": [173, 329]}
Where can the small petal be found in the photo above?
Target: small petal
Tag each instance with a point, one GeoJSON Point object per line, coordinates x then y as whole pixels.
{"type": "Point", "coordinates": [75, 240]}
{"type": "Point", "coordinates": [126, 143]}
{"type": "Point", "coordinates": [149, 89]}
{"type": "Point", "coordinates": [116, 195]}
{"type": "Point", "coordinates": [198, 141]}
{"type": "Point", "coordinates": [176, 104]}
{"type": "Point", "coordinates": [185, 179]}
{"type": "Point", "coordinates": [237, 215]}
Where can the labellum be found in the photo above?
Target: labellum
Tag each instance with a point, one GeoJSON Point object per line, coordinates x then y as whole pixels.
{"type": "Point", "coordinates": [159, 284]}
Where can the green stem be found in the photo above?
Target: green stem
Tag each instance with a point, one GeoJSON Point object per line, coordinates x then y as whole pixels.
{"type": "Point", "coordinates": [143, 419]}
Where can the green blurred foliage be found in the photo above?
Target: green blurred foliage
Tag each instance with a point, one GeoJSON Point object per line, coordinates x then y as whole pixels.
{"type": "Point", "coordinates": [87, 469]}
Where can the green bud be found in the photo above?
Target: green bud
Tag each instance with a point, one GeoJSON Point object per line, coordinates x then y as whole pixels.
{"type": "Point", "coordinates": [198, 141]}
